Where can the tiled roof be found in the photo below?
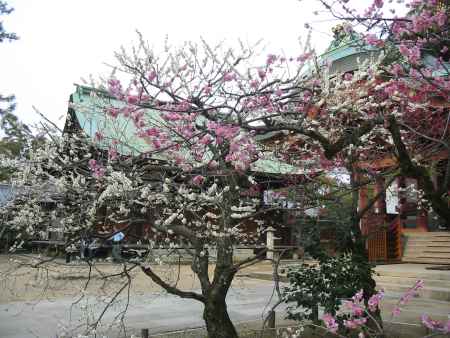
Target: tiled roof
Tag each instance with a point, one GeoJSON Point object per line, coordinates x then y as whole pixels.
{"type": "Point", "coordinates": [88, 107]}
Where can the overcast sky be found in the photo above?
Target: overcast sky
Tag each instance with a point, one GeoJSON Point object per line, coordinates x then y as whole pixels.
{"type": "Point", "coordinates": [62, 41]}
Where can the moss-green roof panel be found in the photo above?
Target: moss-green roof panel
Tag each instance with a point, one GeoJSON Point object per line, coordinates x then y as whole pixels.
{"type": "Point", "coordinates": [89, 108]}
{"type": "Point", "coordinates": [89, 111]}
{"type": "Point", "coordinates": [275, 167]}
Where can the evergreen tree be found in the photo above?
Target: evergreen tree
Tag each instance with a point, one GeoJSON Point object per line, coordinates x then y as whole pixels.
{"type": "Point", "coordinates": [13, 132]}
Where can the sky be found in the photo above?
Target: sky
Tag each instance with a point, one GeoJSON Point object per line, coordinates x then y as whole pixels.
{"type": "Point", "coordinates": [62, 41]}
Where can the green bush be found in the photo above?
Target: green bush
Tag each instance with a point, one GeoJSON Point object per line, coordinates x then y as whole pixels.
{"type": "Point", "coordinates": [325, 285]}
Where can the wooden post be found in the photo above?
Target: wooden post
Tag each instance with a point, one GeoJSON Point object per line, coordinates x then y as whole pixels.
{"type": "Point", "coordinates": [380, 204]}
{"type": "Point", "coordinates": [401, 185]}
{"type": "Point", "coordinates": [270, 242]}
{"type": "Point", "coordinates": [362, 203]}
{"type": "Point", "coordinates": [144, 333]}
{"type": "Point", "coordinates": [422, 220]}
{"type": "Point", "coordinates": [362, 200]}
{"type": "Point", "coordinates": [271, 320]}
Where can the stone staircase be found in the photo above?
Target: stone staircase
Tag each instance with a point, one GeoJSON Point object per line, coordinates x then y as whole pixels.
{"type": "Point", "coordinates": [399, 278]}
{"type": "Point", "coordinates": [427, 247]}
{"type": "Point", "coordinates": [395, 279]}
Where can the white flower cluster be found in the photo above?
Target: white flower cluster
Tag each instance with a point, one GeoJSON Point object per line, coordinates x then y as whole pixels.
{"type": "Point", "coordinates": [118, 184]}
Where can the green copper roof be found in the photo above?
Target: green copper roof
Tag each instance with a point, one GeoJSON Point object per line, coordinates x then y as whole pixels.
{"type": "Point", "coordinates": [88, 107]}
{"type": "Point", "coordinates": [345, 43]}
{"type": "Point", "coordinates": [275, 167]}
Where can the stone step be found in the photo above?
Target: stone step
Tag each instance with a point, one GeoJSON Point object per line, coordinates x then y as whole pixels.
{"type": "Point", "coordinates": [410, 281]}
{"type": "Point", "coordinates": [426, 254]}
{"type": "Point", "coordinates": [433, 246]}
{"type": "Point", "coordinates": [436, 261]}
{"type": "Point", "coordinates": [427, 234]}
{"type": "Point", "coordinates": [415, 254]}
{"type": "Point", "coordinates": [421, 240]}
{"type": "Point", "coordinates": [433, 288]}
{"type": "Point", "coordinates": [427, 247]}
{"type": "Point", "coordinates": [413, 271]}
{"type": "Point", "coordinates": [438, 293]}
{"type": "Point", "coordinates": [428, 238]}
{"type": "Point", "coordinates": [442, 249]}
{"type": "Point", "coordinates": [428, 244]}
{"type": "Point", "coordinates": [413, 249]}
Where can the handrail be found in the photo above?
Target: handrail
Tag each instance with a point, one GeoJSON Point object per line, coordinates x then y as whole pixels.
{"type": "Point", "coordinates": [395, 229]}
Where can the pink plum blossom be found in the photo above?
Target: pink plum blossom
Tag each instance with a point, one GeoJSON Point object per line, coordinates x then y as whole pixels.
{"type": "Point", "coordinates": [98, 136]}
{"type": "Point", "coordinates": [207, 89]}
{"type": "Point", "coordinates": [354, 323]}
{"type": "Point", "coordinates": [261, 74]}
{"type": "Point", "coordinates": [375, 300]}
{"type": "Point", "coordinates": [198, 180]}
{"type": "Point", "coordinates": [396, 311]}
{"type": "Point", "coordinates": [151, 75]}
{"type": "Point", "coordinates": [97, 170]}
{"type": "Point", "coordinates": [229, 77]}
{"type": "Point", "coordinates": [112, 154]}
{"type": "Point", "coordinates": [330, 323]}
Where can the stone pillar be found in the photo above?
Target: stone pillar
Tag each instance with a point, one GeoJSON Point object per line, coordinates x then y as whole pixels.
{"type": "Point", "coordinates": [362, 203]}
{"type": "Point", "coordinates": [422, 220]}
{"type": "Point", "coordinates": [362, 200]}
{"type": "Point", "coordinates": [401, 185]}
{"type": "Point", "coordinates": [270, 242]}
{"type": "Point", "coordinates": [380, 204]}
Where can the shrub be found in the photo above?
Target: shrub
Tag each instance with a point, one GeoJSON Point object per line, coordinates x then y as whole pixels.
{"type": "Point", "coordinates": [325, 284]}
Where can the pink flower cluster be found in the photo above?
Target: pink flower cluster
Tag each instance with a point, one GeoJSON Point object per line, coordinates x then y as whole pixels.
{"type": "Point", "coordinates": [222, 131]}
{"type": "Point", "coordinates": [426, 20]}
{"type": "Point", "coordinates": [358, 320]}
{"type": "Point", "coordinates": [407, 296]}
{"type": "Point", "coordinates": [374, 8]}
{"type": "Point", "coordinates": [412, 53]}
{"type": "Point", "coordinates": [227, 77]}
{"type": "Point", "coordinates": [261, 102]}
{"type": "Point", "coordinates": [151, 76]}
{"type": "Point", "coordinates": [374, 301]}
{"type": "Point", "coordinates": [357, 311]}
{"type": "Point", "coordinates": [97, 170]}
{"type": "Point", "coordinates": [330, 322]}
{"type": "Point", "coordinates": [113, 153]}
{"type": "Point", "coordinates": [242, 152]}
{"type": "Point", "coordinates": [115, 88]}
{"type": "Point", "coordinates": [412, 292]}
{"type": "Point", "coordinates": [427, 16]}
{"type": "Point", "coordinates": [355, 323]}
{"type": "Point", "coordinates": [435, 325]}
{"type": "Point", "coordinates": [198, 180]}
{"type": "Point", "coordinates": [271, 58]}
{"type": "Point", "coordinates": [373, 40]}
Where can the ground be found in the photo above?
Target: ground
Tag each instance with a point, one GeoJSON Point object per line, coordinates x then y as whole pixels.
{"type": "Point", "coordinates": [51, 300]}
{"type": "Point", "coordinates": [56, 279]}
{"type": "Point", "coordinates": [60, 299]}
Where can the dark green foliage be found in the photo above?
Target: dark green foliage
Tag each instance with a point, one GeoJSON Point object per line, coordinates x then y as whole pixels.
{"type": "Point", "coordinates": [14, 134]}
{"type": "Point", "coordinates": [15, 140]}
{"type": "Point", "coordinates": [333, 226]}
{"type": "Point", "coordinates": [7, 103]}
{"type": "Point", "coordinates": [4, 35]}
{"type": "Point", "coordinates": [325, 285]}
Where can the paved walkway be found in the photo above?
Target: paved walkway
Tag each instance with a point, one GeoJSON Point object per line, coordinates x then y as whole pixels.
{"type": "Point", "coordinates": [158, 313]}
{"type": "Point", "coordinates": [163, 313]}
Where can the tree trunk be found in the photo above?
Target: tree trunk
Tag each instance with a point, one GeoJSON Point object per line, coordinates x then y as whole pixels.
{"type": "Point", "coordinates": [218, 323]}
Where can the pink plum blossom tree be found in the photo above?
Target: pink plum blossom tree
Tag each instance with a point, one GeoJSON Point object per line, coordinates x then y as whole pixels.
{"type": "Point", "coordinates": [176, 143]}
